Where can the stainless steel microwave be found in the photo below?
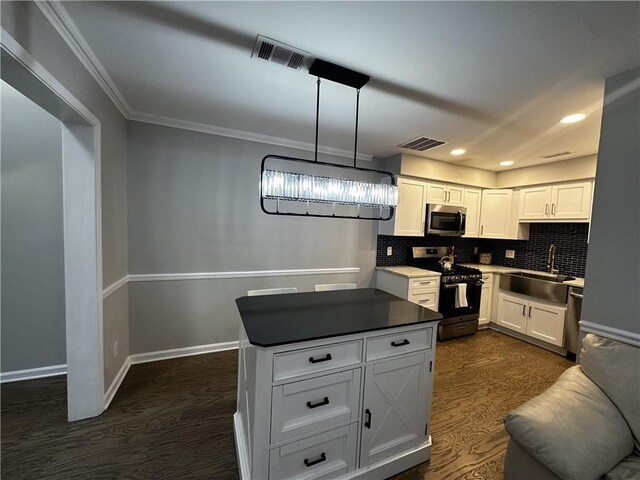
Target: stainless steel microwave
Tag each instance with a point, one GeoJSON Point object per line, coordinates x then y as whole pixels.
{"type": "Point", "coordinates": [445, 220]}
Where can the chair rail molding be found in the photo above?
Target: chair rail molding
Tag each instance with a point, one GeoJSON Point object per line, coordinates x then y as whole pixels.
{"type": "Point", "coordinates": [623, 336]}
{"type": "Point", "coordinates": [57, 15]}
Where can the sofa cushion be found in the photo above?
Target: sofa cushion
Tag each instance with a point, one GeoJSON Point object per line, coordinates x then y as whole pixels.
{"type": "Point", "coordinates": [627, 469]}
{"type": "Point", "coordinates": [572, 428]}
{"type": "Point", "coordinates": [615, 368]}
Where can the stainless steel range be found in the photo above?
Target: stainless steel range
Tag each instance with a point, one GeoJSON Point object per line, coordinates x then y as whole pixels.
{"type": "Point", "coordinates": [460, 290]}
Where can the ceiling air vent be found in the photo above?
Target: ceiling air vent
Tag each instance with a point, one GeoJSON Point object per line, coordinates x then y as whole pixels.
{"type": "Point", "coordinates": [422, 144]}
{"type": "Point", "coordinates": [277, 52]}
{"type": "Point", "coordinates": [557, 154]}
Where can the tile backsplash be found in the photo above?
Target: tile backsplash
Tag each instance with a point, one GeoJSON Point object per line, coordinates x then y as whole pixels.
{"type": "Point", "coordinates": [570, 240]}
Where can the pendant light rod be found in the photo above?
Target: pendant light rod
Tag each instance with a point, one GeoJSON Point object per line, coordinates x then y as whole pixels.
{"type": "Point", "coordinates": [317, 118]}
{"type": "Point", "coordinates": [355, 147]}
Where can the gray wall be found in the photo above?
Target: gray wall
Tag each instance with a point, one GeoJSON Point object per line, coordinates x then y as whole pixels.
{"type": "Point", "coordinates": [33, 313]}
{"type": "Point", "coordinates": [193, 207]}
{"type": "Point", "coordinates": [25, 22]}
{"type": "Point", "coordinates": [613, 263]}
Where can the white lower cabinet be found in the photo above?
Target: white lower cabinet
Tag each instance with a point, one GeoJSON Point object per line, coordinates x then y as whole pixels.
{"type": "Point", "coordinates": [425, 291]}
{"type": "Point", "coordinates": [486, 299]}
{"type": "Point", "coordinates": [368, 420]}
{"type": "Point", "coordinates": [395, 415]}
{"type": "Point", "coordinates": [535, 318]}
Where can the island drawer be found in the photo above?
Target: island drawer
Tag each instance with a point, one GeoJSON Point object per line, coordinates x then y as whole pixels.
{"type": "Point", "coordinates": [302, 408]}
{"type": "Point", "coordinates": [316, 359]}
{"type": "Point", "coordinates": [399, 343]}
{"type": "Point", "coordinates": [328, 455]}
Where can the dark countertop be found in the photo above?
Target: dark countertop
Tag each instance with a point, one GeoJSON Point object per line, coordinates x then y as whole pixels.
{"type": "Point", "coordinates": [272, 320]}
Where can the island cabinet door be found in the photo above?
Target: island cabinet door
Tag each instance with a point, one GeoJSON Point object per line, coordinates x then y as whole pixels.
{"type": "Point", "coordinates": [397, 400]}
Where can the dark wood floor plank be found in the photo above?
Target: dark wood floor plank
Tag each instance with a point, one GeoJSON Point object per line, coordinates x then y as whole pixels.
{"type": "Point", "coordinates": [173, 419]}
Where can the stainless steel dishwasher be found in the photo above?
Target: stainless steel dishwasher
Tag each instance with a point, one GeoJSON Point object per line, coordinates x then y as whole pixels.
{"type": "Point", "coordinates": [571, 327]}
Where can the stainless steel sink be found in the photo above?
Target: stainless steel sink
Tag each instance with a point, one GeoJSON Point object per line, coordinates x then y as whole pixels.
{"type": "Point", "coordinates": [541, 276]}
{"type": "Point", "coordinates": [545, 287]}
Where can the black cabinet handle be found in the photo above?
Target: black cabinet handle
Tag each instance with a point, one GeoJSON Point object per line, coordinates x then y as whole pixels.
{"type": "Point", "coordinates": [311, 463]}
{"type": "Point", "coordinates": [524, 309]}
{"type": "Point", "coordinates": [529, 311]}
{"type": "Point", "coordinates": [319, 404]}
{"type": "Point", "coordinates": [367, 422]}
{"type": "Point", "coordinates": [404, 342]}
{"type": "Point", "coordinates": [323, 359]}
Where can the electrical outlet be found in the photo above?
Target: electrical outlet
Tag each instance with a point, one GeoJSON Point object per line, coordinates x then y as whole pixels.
{"type": "Point", "coordinates": [389, 251]}
{"type": "Point", "coordinates": [510, 254]}
{"type": "Point", "coordinates": [475, 250]}
{"type": "Point", "coordinates": [115, 349]}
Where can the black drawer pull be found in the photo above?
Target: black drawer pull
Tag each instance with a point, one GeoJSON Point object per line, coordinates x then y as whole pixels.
{"type": "Point", "coordinates": [323, 359]}
{"type": "Point", "coordinates": [367, 422]}
{"type": "Point", "coordinates": [319, 404]}
{"type": "Point", "coordinates": [311, 463]}
{"type": "Point", "coordinates": [404, 342]}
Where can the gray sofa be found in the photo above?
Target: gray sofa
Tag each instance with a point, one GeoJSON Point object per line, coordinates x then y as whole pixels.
{"type": "Point", "coordinates": [584, 427]}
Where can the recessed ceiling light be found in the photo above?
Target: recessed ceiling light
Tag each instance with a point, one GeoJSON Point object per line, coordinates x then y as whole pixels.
{"type": "Point", "coordinates": [573, 118]}
{"type": "Point", "coordinates": [507, 163]}
{"type": "Point", "coordinates": [458, 151]}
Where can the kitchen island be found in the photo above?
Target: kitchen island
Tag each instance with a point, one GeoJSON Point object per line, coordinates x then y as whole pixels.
{"type": "Point", "coordinates": [333, 384]}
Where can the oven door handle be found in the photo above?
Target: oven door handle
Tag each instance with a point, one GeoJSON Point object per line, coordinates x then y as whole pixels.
{"type": "Point", "coordinates": [460, 218]}
{"type": "Point", "coordinates": [455, 285]}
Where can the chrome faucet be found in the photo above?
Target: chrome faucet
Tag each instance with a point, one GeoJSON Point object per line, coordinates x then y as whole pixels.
{"type": "Point", "coordinates": [551, 261]}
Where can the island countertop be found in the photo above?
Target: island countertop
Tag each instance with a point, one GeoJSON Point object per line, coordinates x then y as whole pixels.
{"type": "Point", "coordinates": [273, 320]}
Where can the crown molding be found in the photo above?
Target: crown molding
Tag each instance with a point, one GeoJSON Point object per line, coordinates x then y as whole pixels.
{"type": "Point", "coordinates": [242, 134]}
{"type": "Point", "coordinates": [59, 18]}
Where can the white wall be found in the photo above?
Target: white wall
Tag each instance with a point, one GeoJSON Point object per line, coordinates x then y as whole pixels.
{"type": "Point", "coordinates": [33, 299]}
{"type": "Point", "coordinates": [613, 263]}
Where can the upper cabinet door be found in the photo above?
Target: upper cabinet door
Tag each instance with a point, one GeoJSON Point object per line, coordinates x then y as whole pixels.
{"type": "Point", "coordinates": [571, 201]}
{"type": "Point", "coordinates": [396, 410]}
{"type": "Point", "coordinates": [410, 214]}
{"type": "Point", "coordinates": [436, 193]}
{"type": "Point", "coordinates": [455, 196]}
{"type": "Point", "coordinates": [472, 199]}
{"type": "Point", "coordinates": [535, 203]}
{"type": "Point", "coordinates": [495, 214]}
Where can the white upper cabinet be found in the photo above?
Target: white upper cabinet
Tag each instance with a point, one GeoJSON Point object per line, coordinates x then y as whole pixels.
{"type": "Point", "coordinates": [535, 203]}
{"type": "Point", "coordinates": [495, 216]}
{"type": "Point", "coordinates": [441, 194]}
{"type": "Point", "coordinates": [571, 201]}
{"type": "Point", "coordinates": [472, 202]}
{"type": "Point", "coordinates": [409, 217]}
{"type": "Point", "coordinates": [566, 202]}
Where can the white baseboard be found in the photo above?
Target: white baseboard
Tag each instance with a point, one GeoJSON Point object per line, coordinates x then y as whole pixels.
{"type": "Point", "coordinates": [182, 352]}
{"type": "Point", "coordinates": [115, 385]}
{"type": "Point", "coordinates": [610, 332]}
{"type": "Point", "coordinates": [33, 373]}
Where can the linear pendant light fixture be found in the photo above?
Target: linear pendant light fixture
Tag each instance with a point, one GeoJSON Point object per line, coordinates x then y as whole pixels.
{"type": "Point", "coordinates": [351, 194]}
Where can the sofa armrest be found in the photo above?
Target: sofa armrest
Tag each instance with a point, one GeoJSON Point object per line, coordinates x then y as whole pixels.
{"type": "Point", "coordinates": [572, 428]}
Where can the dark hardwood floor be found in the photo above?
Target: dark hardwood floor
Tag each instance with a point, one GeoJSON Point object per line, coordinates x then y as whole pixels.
{"type": "Point", "coordinates": [173, 419]}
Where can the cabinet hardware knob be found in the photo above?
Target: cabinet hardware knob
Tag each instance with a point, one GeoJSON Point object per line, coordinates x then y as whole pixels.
{"type": "Point", "coordinates": [323, 359]}
{"type": "Point", "coordinates": [404, 342]}
{"type": "Point", "coordinates": [319, 404]}
{"type": "Point", "coordinates": [310, 463]}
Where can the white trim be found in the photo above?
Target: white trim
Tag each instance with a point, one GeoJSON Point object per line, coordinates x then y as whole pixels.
{"type": "Point", "coordinates": [241, 134]}
{"type": "Point", "coordinates": [17, 51]}
{"type": "Point", "coordinates": [59, 18]}
{"type": "Point", "coordinates": [244, 469]}
{"type": "Point", "coordinates": [55, 12]}
{"type": "Point", "coordinates": [115, 286]}
{"type": "Point", "coordinates": [117, 381]}
{"type": "Point", "coordinates": [182, 352]}
{"type": "Point", "coordinates": [33, 373]}
{"type": "Point", "coordinates": [614, 333]}
{"type": "Point", "coordinates": [161, 277]}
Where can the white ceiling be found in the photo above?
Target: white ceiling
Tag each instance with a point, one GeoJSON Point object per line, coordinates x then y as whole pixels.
{"type": "Point", "coordinates": [493, 78]}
